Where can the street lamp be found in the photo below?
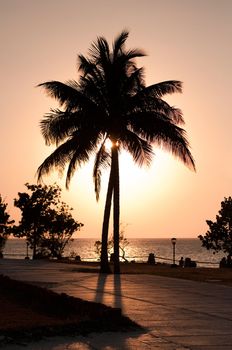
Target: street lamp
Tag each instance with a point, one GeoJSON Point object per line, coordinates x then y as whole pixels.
{"type": "Point", "coordinates": [173, 240]}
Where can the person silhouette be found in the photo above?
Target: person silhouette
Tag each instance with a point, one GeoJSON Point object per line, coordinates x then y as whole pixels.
{"type": "Point", "coordinates": [181, 262]}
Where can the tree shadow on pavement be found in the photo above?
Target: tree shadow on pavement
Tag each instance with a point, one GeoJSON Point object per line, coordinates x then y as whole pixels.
{"type": "Point", "coordinates": [109, 292]}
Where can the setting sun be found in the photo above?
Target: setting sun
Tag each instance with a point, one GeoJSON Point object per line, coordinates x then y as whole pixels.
{"type": "Point", "coordinates": [108, 144]}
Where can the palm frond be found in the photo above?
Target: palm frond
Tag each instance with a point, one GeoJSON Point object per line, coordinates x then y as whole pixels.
{"type": "Point", "coordinates": [157, 105]}
{"type": "Point", "coordinates": [146, 123]}
{"type": "Point", "coordinates": [72, 166]}
{"type": "Point", "coordinates": [133, 53]}
{"type": "Point", "coordinates": [100, 52]}
{"type": "Point", "coordinates": [58, 125]}
{"type": "Point", "coordinates": [167, 135]}
{"type": "Point", "coordinates": [82, 100]}
{"type": "Point", "coordinates": [158, 129]}
{"type": "Point", "coordinates": [140, 149]}
{"type": "Point", "coordinates": [177, 116]}
{"type": "Point", "coordinates": [60, 91]}
{"type": "Point", "coordinates": [86, 142]}
{"type": "Point", "coordinates": [102, 160]}
{"type": "Point", "coordinates": [134, 83]}
{"type": "Point", "coordinates": [119, 42]}
{"type": "Point", "coordinates": [85, 65]}
{"type": "Point", "coordinates": [175, 142]}
{"type": "Point", "coordinates": [57, 160]}
{"type": "Point", "coordinates": [77, 149]}
{"type": "Point", "coordinates": [125, 65]}
{"type": "Point", "coordinates": [94, 86]}
{"type": "Point", "coordinates": [68, 95]}
{"type": "Point", "coordinates": [163, 88]}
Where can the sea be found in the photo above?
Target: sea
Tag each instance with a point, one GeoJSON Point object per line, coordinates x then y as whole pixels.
{"type": "Point", "coordinates": [137, 250]}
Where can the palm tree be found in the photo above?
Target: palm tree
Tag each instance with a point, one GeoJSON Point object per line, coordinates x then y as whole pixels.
{"type": "Point", "coordinates": [111, 102]}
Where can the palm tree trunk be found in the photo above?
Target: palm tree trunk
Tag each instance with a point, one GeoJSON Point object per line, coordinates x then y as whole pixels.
{"type": "Point", "coordinates": [105, 268]}
{"type": "Point", "coordinates": [115, 165]}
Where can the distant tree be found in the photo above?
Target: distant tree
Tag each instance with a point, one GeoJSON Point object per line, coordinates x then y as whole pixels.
{"type": "Point", "coordinates": [219, 236]}
{"type": "Point", "coordinates": [123, 243]}
{"type": "Point", "coordinates": [46, 221]}
{"type": "Point", "coordinates": [61, 230]}
{"type": "Point", "coordinates": [5, 224]}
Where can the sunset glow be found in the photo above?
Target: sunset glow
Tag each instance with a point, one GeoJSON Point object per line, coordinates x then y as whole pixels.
{"type": "Point", "coordinates": [184, 40]}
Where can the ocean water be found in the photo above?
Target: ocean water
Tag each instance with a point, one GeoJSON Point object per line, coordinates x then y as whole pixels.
{"type": "Point", "coordinates": [138, 250]}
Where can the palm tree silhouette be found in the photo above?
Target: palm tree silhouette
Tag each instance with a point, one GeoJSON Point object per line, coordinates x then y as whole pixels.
{"type": "Point", "coordinates": [111, 102]}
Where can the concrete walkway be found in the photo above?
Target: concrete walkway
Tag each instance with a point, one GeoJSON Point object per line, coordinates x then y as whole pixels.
{"type": "Point", "coordinates": [177, 314]}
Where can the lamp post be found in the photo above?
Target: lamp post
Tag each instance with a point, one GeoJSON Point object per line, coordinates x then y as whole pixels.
{"type": "Point", "coordinates": [173, 240]}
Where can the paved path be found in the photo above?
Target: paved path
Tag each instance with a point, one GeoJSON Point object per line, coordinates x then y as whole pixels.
{"type": "Point", "coordinates": [177, 314]}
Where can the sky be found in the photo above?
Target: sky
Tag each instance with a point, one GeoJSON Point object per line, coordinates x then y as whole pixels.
{"type": "Point", "coordinates": [186, 40]}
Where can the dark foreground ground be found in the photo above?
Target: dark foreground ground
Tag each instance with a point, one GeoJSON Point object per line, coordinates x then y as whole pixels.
{"type": "Point", "coordinates": [29, 312]}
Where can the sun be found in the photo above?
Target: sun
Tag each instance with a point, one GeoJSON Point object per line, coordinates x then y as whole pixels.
{"type": "Point", "coordinates": [130, 172]}
{"type": "Point", "coordinates": [108, 144]}
{"type": "Point", "coordinates": [140, 185]}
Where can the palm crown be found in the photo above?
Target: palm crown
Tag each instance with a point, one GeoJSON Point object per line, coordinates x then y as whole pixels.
{"type": "Point", "coordinates": [110, 100]}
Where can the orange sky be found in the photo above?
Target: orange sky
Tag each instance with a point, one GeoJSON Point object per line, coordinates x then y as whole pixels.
{"type": "Point", "coordinates": [185, 40]}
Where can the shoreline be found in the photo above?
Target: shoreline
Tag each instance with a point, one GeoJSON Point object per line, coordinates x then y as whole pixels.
{"type": "Point", "coordinates": [137, 249]}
